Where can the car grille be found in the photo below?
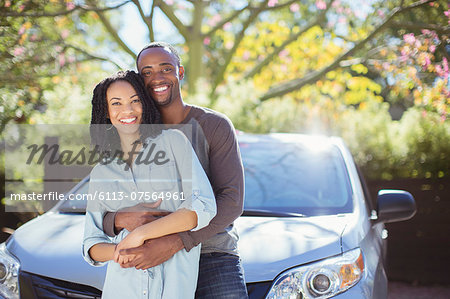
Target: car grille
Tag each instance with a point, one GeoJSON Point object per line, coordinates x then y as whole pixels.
{"type": "Point", "coordinates": [35, 286]}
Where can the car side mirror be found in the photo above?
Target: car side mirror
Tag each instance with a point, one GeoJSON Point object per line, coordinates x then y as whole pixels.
{"type": "Point", "coordinates": [395, 205]}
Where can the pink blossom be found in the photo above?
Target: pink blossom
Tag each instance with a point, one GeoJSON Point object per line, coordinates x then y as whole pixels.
{"type": "Point", "coordinates": [447, 13]}
{"type": "Point", "coordinates": [427, 61]}
{"type": "Point", "coordinates": [283, 53]}
{"type": "Point", "coordinates": [380, 13]}
{"type": "Point", "coordinates": [272, 3]}
{"type": "Point", "coordinates": [445, 64]}
{"type": "Point", "coordinates": [439, 71]}
{"type": "Point", "coordinates": [214, 20]}
{"type": "Point", "coordinates": [385, 65]}
{"type": "Point", "coordinates": [432, 33]}
{"type": "Point", "coordinates": [33, 37]}
{"type": "Point", "coordinates": [229, 45]}
{"type": "Point", "coordinates": [206, 41]}
{"type": "Point", "coordinates": [418, 43]}
{"type": "Point", "coordinates": [61, 60]}
{"type": "Point", "coordinates": [65, 33]}
{"type": "Point", "coordinates": [70, 5]}
{"type": "Point", "coordinates": [227, 26]}
{"type": "Point", "coordinates": [71, 59]}
{"type": "Point", "coordinates": [409, 38]}
{"type": "Point", "coordinates": [169, 2]}
{"type": "Point", "coordinates": [294, 7]}
{"type": "Point", "coordinates": [21, 30]}
{"type": "Point", "coordinates": [7, 3]}
{"type": "Point", "coordinates": [443, 117]}
{"type": "Point", "coordinates": [432, 48]}
{"type": "Point", "coordinates": [21, 7]}
{"type": "Point", "coordinates": [246, 55]}
{"type": "Point", "coordinates": [320, 4]}
{"type": "Point", "coordinates": [424, 113]}
{"type": "Point", "coordinates": [340, 9]}
{"type": "Point", "coordinates": [342, 20]}
{"type": "Point", "coordinates": [19, 51]}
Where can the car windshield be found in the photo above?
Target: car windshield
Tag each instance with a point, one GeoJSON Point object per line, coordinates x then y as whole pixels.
{"type": "Point", "coordinates": [296, 178]}
{"type": "Point", "coordinates": [283, 178]}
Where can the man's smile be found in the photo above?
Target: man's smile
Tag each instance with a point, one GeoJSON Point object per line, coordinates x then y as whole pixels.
{"type": "Point", "coordinates": [160, 88]}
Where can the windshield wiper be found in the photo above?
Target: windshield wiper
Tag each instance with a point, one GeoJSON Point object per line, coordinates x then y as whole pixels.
{"type": "Point", "coordinates": [267, 213]}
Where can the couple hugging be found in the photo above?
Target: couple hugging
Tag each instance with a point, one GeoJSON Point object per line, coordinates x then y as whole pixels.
{"type": "Point", "coordinates": [180, 243]}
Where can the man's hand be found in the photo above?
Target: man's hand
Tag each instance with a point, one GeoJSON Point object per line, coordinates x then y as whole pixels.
{"type": "Point", "coordinates": [153, 252]}
{"type": "Point", "coordinates": [121, 259]}
{"type": "Point", "coordinates": [138, 215]}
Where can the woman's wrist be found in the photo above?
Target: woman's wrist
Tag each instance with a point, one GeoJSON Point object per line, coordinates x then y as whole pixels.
{"type": "Point", "coordinates": [140, 233]}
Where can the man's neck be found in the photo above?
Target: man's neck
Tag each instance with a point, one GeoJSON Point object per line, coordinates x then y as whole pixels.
{"type": "Point", "coordinates": [175, 113]}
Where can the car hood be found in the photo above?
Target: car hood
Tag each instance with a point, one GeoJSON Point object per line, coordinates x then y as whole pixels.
{"type": "Point", "coordinates": [50, 245]}
{"type": "Point", "coordinates": [270, 245]}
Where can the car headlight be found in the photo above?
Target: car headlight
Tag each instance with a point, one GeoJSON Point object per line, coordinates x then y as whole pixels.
{"type": "Point", "coordinates": [323, 279]}
{"type": "Point", "coordinates": [9, 271]}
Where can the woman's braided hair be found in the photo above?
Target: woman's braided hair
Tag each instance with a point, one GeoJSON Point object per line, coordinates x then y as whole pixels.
{"type": "Point", "coordinates": [103, 134]}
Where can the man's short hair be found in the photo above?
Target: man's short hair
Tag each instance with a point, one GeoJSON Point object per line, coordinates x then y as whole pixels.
{"type": "Point", "coordinates": [163, 45]}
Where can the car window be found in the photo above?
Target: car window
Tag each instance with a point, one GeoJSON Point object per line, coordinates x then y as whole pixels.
{"type": "Point", "coordinates": [294, 178]}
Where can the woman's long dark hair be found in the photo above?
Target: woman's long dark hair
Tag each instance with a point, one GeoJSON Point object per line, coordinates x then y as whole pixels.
{"type": "Point", "coordinates": [104, 136]}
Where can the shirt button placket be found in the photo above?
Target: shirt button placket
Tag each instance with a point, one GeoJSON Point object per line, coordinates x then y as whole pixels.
{"type": "Point", "coordinates": [145, 284]}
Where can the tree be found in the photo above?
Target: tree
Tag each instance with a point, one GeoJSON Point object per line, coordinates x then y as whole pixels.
{"type": "Point", "coordinates": [214, 32]}
{"type": "Point", "coordinates": [217, 33]}
{"type": "Point", "coordinates": [41, 46]}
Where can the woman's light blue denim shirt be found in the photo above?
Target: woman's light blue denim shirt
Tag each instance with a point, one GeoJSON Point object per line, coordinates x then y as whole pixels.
{"type": "Point", "coordinates": [114, 186]}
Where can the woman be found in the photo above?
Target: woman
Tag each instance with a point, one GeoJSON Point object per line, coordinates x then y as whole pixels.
{"type": "Point", "coordinates": [142, 163]}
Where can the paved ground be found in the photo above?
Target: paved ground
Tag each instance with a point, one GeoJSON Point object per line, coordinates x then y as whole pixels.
{"type": "Point", "coordinates": [402, 290]}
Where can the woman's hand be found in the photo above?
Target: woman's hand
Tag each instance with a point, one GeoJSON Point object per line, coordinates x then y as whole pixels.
{"type": "Point", "coordinates": [134, 239]}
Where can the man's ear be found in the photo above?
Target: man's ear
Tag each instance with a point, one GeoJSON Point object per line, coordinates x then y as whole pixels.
{"type": "Point", "coordinates": [181, 72]}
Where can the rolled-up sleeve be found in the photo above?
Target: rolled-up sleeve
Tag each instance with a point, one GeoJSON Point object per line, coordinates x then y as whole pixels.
{"type": "Point", "coordinates": [93, 228]}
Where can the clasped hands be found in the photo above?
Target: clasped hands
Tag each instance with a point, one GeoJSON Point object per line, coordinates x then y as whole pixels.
{"type": "Point", "coordinates": [132, 219]}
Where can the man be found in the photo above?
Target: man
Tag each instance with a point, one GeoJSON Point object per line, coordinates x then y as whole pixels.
{"type": "Point", "coordinates": [214, 140]}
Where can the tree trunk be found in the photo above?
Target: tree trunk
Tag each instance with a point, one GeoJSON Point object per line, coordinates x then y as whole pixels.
{"type": "Point", "coordinates": [195, 68]}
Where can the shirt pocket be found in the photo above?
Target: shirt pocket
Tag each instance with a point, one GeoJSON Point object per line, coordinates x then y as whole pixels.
{"type": "Point", "coordinates": [163, 177]}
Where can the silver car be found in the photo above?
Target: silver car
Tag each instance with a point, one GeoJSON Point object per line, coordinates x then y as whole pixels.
{"type": "Point", "coordinates": [308, 230]}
